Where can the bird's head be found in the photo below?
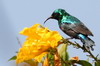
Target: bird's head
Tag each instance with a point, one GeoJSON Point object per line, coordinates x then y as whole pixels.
{"type": "Point", "coordinates": [58, 14]}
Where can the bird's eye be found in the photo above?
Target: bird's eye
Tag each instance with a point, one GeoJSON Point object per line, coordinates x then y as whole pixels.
{"type": "Point", "coordinates": [57, 14]}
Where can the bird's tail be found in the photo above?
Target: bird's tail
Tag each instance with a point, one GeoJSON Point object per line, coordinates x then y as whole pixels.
{"type": "Point", "coordinates": [87, 42]}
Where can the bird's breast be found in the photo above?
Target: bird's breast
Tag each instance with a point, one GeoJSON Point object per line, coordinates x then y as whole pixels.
{"type": "Point", "coordinates": [66, 26]}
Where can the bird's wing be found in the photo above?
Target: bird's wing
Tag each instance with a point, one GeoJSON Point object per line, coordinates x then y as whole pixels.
{"type": "Point", "coordinates": [81, 28]}
{"type": "Point", "coordinates": [76, 25]}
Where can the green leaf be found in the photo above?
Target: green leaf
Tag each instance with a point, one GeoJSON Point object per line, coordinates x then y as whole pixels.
{"type": "Point", "coordinates": [51, 59]}
{"type": "Point", "coordinates": [62, 51]}
{"type": "Point", "coordinates": [81, 62]}
{"type": "Point", "coordinates": [97, 63]}
{"type": "Point", "coordinates": [12, 58]}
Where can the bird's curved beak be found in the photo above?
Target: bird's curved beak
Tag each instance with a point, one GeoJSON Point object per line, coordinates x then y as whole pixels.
{"type": "Point", "coordinates": [48, 19]}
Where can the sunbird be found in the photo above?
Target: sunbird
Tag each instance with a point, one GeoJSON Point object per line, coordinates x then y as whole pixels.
{"type": "Point", "coordinates": [73, 27]}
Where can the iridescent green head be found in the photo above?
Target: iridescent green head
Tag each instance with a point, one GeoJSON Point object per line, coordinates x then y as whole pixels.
{"type": "Point", "coordinates": [58, 14]}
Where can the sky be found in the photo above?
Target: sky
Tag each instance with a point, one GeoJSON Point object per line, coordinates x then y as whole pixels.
{"type": "Point", "coordinates": [17, 14]}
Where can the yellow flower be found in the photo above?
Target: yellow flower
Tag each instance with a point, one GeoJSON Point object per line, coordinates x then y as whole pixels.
{"type": "Point", "coordinates": [37, 44]}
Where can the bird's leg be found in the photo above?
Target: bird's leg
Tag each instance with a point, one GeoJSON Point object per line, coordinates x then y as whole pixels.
{"type": "Point", "coordinates": [65, 40]}
{"type": "Point", "coordinates": [69, 38]}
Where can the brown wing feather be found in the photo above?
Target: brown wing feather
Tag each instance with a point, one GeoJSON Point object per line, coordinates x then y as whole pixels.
{"type": "Point", "coordinates": [81, 28]}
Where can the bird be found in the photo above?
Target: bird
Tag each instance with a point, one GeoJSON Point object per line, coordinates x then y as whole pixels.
{"type": "Point", "coordinates": [73, 27]}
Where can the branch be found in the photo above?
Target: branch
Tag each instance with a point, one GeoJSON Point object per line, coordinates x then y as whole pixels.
{"type": "Point", "coordinates": [66, 41]}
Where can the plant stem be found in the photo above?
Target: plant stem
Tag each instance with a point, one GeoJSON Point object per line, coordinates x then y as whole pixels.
{"type": "Point", "coordinates": [84, 49]}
